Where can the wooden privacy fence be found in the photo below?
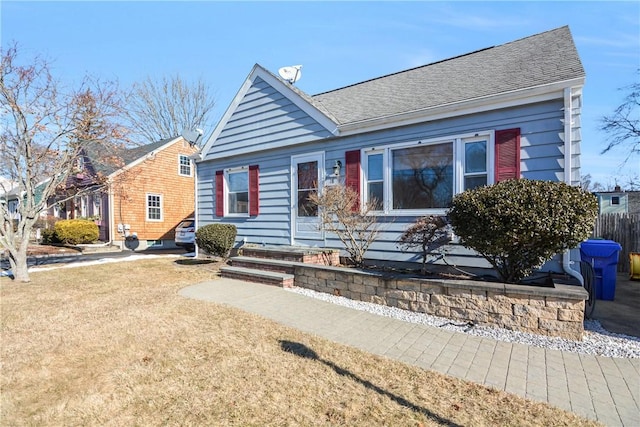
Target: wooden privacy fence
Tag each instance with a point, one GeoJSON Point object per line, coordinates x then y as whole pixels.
{"type": "Point", "coordinates": [623, 228]}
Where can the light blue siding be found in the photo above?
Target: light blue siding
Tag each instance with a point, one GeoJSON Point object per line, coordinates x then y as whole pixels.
{"type": "Point", "coordinates": [265, 118]}
{"type": "Point", "coordinates": [267, 130]}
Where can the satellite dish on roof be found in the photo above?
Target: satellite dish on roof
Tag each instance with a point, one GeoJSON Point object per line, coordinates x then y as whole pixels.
{"type": "Point", "coordinates": [290, 74]}
{"type": "Point", "coordinates": [193, 137]}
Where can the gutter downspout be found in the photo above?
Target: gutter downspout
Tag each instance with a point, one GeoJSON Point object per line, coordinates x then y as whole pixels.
{"type": "Point", "coordinates": [195, 197]}
{"type": "Point", "coordinates": [568, 107]}
{"type": "Point", "coordinates": [112, 222]}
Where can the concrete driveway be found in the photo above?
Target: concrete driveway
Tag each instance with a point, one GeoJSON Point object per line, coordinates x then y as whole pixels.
{"type": "Point", "coordinates": [622, 315]}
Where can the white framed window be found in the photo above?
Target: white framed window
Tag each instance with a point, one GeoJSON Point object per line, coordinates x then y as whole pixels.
{"type": "Point", "coordinates": [154, 207]}
{"type": "Point", "coordinates": [475, 160]}
{"type": "Point", "coordinates": [374, 178]}
{"type": "Point", "coordinates": [421, 177]}
{"type": "Point", "coordinates": [184, 165]}
{"type": "Point", "coordinates": [237, 192]}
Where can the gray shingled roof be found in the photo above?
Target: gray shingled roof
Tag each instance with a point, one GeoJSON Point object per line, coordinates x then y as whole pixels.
{"type": "Point", "coordinates": [533, 61]}
{"type": "Point", "coordinates": [100, 155]}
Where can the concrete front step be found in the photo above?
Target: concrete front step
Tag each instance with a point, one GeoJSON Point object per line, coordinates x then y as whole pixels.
{"type": "Point", "coordinates": [283, 280]}
{"type": "Point", "coordinates": [263, 264]}
{"type": "Point", "coordinates": [322, 256]}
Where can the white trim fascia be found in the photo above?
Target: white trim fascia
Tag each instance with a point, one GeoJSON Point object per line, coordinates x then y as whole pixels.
{"type": "Point", "coordinates": [281, 87]}
{"type": "Point", "coordinates": [139, 160]}
{"type": "Point", "coordinates": [229, 111]}
{"type": "Point", "coordinates": [299, 101]}
{"type": "Point", "coordinates": [472, 106]}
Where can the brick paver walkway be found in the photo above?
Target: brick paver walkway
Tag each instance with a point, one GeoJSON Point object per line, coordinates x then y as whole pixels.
{"type": "Point", "coordinates": [599, 388]}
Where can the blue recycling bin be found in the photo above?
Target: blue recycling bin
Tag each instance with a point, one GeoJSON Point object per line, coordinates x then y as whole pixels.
{"type": "Point", "coordinates": [603, 256]}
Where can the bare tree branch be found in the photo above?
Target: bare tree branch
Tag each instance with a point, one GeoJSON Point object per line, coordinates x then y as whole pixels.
{"type": "Point", "coordinates": [623, 126]}
{"type": "Point", "coordinates": [163, 109]}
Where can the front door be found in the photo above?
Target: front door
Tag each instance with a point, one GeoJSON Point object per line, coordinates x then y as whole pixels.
{"type": "Point", "coordinates": [307, 173]}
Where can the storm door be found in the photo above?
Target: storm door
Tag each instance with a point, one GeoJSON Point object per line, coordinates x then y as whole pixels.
{"type": "Point", "coordinates": [307, 172]}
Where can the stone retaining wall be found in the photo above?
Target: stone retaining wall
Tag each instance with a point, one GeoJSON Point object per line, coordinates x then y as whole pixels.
{"type": "Point", "coordinates": [557, 311]}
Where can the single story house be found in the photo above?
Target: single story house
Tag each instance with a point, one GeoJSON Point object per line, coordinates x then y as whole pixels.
{"type": "Point", "coordinates": [411, 139]}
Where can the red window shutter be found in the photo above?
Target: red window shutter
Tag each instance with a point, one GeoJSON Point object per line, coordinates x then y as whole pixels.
{"type": "Point", "coordinates": [219, 193]}
{"type": "Point", "coordinates": [254, 191]}
{"type": "Point", "coordinates": [507, 154]}
{"type": "Point", "coordinates": [352, 173]}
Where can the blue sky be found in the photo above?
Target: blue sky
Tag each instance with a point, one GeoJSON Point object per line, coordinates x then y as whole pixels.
{"type": "Point", "coordinates": [338, 43]}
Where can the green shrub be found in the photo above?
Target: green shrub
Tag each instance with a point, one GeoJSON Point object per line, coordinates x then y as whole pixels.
{"type": "Point", "coordinates": [49, 236]}
{"type": "Point", "coordinates": [518, 225]}
{"type": "Point", "coordinates": [76, 231]}
{"type": "Point", "coordinates": [216, 239]}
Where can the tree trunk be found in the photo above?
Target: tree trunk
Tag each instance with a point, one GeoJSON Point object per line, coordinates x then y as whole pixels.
{"type": "Point", "coordinates": [18, 261]}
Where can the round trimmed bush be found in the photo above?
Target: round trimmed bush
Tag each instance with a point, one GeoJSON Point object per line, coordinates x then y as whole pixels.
{"type": "Point", "coordinates": [518, 225]}
{"type": "Point", "coordinates": [76, 231]}
{"type": "Point", "coordinates": [216, 239]}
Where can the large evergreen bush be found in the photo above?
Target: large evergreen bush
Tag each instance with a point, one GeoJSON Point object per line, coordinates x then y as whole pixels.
{"type": "Point", "coordinates": [216, 239]}
{"type": "Point", "coordinates": [517, 225]}
{"type": "Point", "coordinates": [76, 231]}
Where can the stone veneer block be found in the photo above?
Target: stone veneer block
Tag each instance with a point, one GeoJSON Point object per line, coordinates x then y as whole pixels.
{"type": "Point", "coordinates": [462, 293]}
{"type": "Point", "coordinates": [441, 310]}
{"type": "Point", "coordinates": [407, 285]}
{"type": "Point", "coordinates": [570, 315]}
{"type": "Point", "coordinates": [535, 311]}
{"type": "Point", "coordinates": [433, 289]}
{"type": "Point", "coordinates": [570, 330]}
{"type": "Point", "coordinates": [567, 304]}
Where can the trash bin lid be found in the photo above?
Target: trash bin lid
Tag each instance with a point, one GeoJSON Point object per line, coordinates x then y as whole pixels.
{"type": "Point", "coordinates": [600, 248]}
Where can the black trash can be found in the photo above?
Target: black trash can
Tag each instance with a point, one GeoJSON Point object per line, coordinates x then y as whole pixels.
{"type": "Point", "coordinates": [603, 256]}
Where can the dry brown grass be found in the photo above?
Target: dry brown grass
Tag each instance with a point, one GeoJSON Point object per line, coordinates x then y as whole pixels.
{"type": "Point", "coordinates": [116, 345]}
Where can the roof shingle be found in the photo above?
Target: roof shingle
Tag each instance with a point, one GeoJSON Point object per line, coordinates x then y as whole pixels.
{"type": "Point", "coordinates": [533, 61]}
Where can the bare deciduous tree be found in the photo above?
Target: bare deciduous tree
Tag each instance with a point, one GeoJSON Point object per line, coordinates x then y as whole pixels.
{"type": "Point", "coordinates": [623, 126]}
{"type": "Point", "coordinates": [163, 109]}
{"type": "Point", "coordinates": [43, 130]}
{"type": "Point", "coordinates": [356, 227]}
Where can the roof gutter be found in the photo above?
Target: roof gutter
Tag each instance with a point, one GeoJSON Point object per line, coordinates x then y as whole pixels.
{"type": "Point", "coordinates": [568, 108]}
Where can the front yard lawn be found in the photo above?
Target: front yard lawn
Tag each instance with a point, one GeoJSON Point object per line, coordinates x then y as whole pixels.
{"type": "Point", "coordinates": [115, 344]}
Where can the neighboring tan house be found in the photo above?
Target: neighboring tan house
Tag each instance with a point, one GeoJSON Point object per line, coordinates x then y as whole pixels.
{"type": "Point", "coordinates": [137, 196]}
{"type": "Point", "coordinates": [411, 139]}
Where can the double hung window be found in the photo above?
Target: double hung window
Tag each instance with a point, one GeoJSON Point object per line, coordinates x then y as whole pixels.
{"type": "Point", "coordinates": [154, 207]}
{"type": "Point", "coordinates": [184, 165]}
{"type": "Point", "coordinates": [238, 192]}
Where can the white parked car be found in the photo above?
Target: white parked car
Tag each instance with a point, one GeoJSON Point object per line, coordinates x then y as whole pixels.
{"type": "Point", "coordinates": [186, 234]}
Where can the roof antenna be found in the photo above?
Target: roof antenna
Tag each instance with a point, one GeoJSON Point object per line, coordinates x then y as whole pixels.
{"type": "Point", "coordinates": [290, 74]}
